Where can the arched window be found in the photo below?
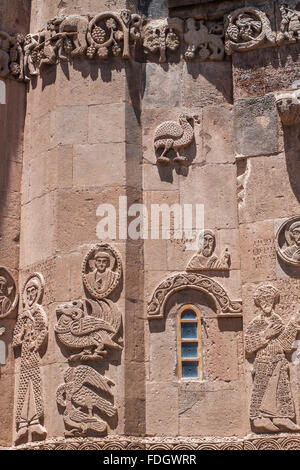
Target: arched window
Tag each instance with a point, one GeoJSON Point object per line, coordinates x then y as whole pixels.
{"type": "Point", "coordinates": [189, 343]}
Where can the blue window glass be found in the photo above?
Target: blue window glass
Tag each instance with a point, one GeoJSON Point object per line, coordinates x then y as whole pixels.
{"type": "Point", "coordinates": [189, 330]}
{"type": "Point", "coordinates": [189, 350]}
{"type": "Point", "coordinates": [188, 315]}
{"type": "Point", "coordinates": [190, 369]}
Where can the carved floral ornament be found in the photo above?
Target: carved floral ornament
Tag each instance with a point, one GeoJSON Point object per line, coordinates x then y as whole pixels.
{"type": "Point", "coordinates": [109, 34]}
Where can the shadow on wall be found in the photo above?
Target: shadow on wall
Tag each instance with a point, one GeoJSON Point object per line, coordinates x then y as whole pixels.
{"type": "Point", "coordinates": [14, 17]}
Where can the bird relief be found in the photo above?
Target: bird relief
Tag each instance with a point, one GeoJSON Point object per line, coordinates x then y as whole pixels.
{"type": "Point", "coordinates": [89, 328]}
{"type": "Point", "coordinates": [171, 135]}
{"type": "Point", "coordinates": [81, 391]}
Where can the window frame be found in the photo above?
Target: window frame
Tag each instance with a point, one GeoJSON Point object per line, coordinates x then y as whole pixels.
{"type": "Point", "coordinates": [197, 340]}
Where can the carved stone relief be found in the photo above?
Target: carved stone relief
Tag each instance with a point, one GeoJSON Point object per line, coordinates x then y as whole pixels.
{"type": "Point", "coordinates": [90, 335]}
{"type": "Point", "coordinates": [195, 281]}
{"type": "Point", "coordinates": [290, 25]}
{"type": "Point", "coordinates": [205, 259]}
{"type": "Point", "coordinates": [81, 391]}
{"type": "Point", "coordinates": [206, 39]}
{"type": "Point", "coordinates": [288, 105]}
{"type": "Point", "coordinates": [171, 135]}
{"type": "Point", "coordinates": [101, 270]}
{"type": "Point", "coordinates": [246, 29]}
{"type": "Point", "coordinates": [8, 293]}
{"type": "Point", "coordinates": [288, 241]}
{"type": "Point", "coordinates": [159, 36]}
{"type": "Point", "coordinates": [90, 328]}
{"type": "Point", "coordinates": [30, 335]}
{"type": "Point", "coordinates": [272, 407]}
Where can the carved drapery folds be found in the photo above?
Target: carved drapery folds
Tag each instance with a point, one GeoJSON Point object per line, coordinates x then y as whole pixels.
{"type": "Point", "coordinates": [30, 334]}
{"type": "Point", "coordinates": [195, 281]}
{"type": "Point", "coordinates": [246, 29]}
{"type": "Point", "coordinates": [272, 406]}
{"type": "Point", "coordinates": [90, 328]}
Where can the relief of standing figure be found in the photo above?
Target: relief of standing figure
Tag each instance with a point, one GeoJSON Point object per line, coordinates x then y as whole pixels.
{"type": "Point", "coordinates": [272, 407]}
{"type": "Point", "coordinates": [30, 334]}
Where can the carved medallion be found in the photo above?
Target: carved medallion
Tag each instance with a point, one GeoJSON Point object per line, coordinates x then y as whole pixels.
{"type": "Point", "coordinates": [246, 29]}
{"type": "Point", "coordinates": [102, 270]}
{"type": "Point", "coordinates": [288, 241]}
{"type": "Point", "coordinates": [30, 335]}
{"type": "Point", "coordinates": [8, 293]}
{"type": "Point", "coordinates": [113, 32]}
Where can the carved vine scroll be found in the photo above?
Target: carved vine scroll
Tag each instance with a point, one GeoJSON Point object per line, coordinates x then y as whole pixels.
{"type": "Point", "coordinates": [196, 281]}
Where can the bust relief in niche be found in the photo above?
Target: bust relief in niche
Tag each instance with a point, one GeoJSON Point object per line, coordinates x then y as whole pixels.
{"type": "Point", "coordinates": [288, 241]}
{"type": "Point", "coordinates": [206, 259]}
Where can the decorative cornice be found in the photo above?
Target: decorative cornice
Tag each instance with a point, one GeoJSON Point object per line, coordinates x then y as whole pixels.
{"type": "Point", "coordinates": [284, 441]}
{"type": "Point", "coordinates": [122, 34]}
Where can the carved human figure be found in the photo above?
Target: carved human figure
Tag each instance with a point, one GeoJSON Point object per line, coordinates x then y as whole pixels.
{"type": "Point", "coordinates": [293, 240]}
{"type": "Point", "coordinates": [102, 276]}
{"type": "Point", "coordinates": [30, 334]}
{"type": "Point", "coordinates": [272, 406]}
{"type": "Point", "coordinates": [205, 258]}
{"type": "Point", "coordinates": [5, 303]}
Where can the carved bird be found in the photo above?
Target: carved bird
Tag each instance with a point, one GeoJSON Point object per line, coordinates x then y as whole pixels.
{"type": "Point", "coordinates": [76, 395]}
{"type": "Point", "coordinates": [91, 334]}
{"type": "Point", "coordinates": [173, 135]}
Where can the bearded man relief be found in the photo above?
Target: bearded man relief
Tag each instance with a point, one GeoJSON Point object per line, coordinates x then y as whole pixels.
{"type": "Point", "coordinates": [206, 259]}
{"type": "Point", "coordinates": [272, 406]}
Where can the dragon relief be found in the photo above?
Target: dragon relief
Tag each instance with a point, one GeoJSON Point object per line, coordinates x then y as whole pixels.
{"type": "Point", "coordinates": [90, 335]}
{"type": "Point", "coordinates": [80, 393]}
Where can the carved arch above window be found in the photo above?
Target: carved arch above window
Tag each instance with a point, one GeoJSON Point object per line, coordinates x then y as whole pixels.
{"type": "Point", "coordinates": [181, 281]}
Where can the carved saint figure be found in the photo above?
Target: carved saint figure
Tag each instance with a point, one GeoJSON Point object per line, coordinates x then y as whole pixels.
{"type": "Point", "coordinates": [102, 277]}
{"type": "Point", "coordinates": [30, 334]}
{"type": "Point", "coordinates": [5, 303]}
{"type": "Point", "coordinates": [292, 236]}
{"type": "Point", "coordinates": [272, 406]}
{"type": "Point", "coordinates": [205, 258]}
